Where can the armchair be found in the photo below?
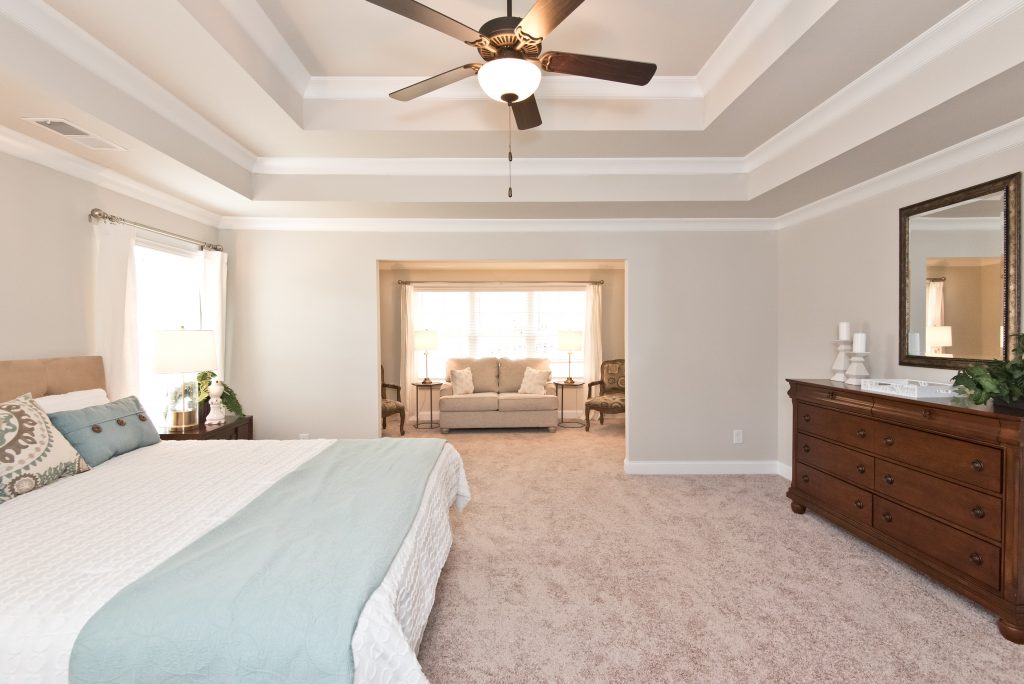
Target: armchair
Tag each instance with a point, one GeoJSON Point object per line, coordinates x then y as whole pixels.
{"type": "Point", "coordinates": [389, 407]}
{"type": "Point", "coordinates": [611, 394]}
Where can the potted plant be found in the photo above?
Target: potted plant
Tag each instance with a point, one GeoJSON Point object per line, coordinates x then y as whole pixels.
{"type": "Point", "coordinates": [230, 399]}
{"type": "Point", "coordinates": [1000, 381]}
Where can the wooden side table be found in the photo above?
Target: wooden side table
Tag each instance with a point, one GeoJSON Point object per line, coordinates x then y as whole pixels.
{"type": "Point", "coordinates": [430, 387]}
{"type": "Point", "coordinates": [560, 388]}
{"type": "Point", "coordinates": [235, 427]}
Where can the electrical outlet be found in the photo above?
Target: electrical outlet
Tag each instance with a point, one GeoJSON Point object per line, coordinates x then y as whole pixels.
{"type": "Point", "coordinates": [737, 436]}
{"type": "Point", "coordinates": [303, 435]}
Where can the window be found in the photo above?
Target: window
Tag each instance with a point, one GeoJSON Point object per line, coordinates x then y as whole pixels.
{"type": "Point", "coordinates": [510, 323]}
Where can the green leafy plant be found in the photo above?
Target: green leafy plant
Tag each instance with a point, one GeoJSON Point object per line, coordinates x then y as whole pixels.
{"type": "Point", "coordinates": [230, 399]}
{"type": "Point", "coordinates": [1003, 380]}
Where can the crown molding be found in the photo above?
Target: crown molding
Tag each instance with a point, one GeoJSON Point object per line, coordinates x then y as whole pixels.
{"type": "Point", "coordinates": [448, 225]}
{"type": "Point", "coordinates": [264, 33]}
{"type": "Point", "coordinates": [60, 33]}
{"type": "Point", "coordinates": [24, 147]}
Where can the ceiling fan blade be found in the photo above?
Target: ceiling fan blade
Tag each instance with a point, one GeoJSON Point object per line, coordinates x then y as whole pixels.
{"type": "Point", "coordinates": [545, 15]}
{"type": "Point", "coordinates": [606, 68]}
{"type": "Point", "coordinates": [434, 82]}
{"type": "Point", "coordinates": [430, 17]}
{"type": "Point", "coordinates": [526, 113]}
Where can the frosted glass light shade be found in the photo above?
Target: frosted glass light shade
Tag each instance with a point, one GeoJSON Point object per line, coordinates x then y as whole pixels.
{"type": "Point", "coordinates": [184, 351]}
{"type": "Point", "coordinates": [570, 340]}
{"type": "Point", "coordinates": [509, 76]}
{"type": "Point", "coordinates": [425, 340]}
{"type": "Point", "coordinates": [939, 336]}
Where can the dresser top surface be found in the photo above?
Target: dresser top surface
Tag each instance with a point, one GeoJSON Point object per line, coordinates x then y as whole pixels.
{"type": "Point", "coordinates": [955, 403]}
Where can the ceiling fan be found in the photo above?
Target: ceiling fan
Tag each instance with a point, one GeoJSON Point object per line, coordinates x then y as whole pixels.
{"type": "Point", "coordinates": [511, 49]}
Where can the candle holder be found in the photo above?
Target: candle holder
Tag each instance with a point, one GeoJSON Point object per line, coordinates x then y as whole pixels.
{"type": "Point", "coordinates": [842, 360]}
{"type": "Point", "coordinates": [857, 370]}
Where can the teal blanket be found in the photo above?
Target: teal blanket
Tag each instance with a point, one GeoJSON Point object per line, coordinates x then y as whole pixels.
{"type": "Point", "coordinates": [274, 593]}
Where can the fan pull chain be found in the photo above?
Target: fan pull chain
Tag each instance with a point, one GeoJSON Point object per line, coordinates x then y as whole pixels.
{"type": "Point", "coordinates": [510, 150]}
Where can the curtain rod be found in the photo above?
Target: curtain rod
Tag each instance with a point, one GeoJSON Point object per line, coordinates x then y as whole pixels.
{"type": "Point", "coordinates": [936, 280]}
{"type": "Point", "coordinates": [501, 282]}
{"type": "Point", "coordinates": [100, 215]}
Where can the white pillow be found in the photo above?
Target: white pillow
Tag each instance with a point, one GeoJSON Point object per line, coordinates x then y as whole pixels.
{"type": "Point", "coordinates": [72, 401]}
{"type": "Point", "coordinates": [462, 381]}
{"type": "Point", "coordinates": [534, 381]}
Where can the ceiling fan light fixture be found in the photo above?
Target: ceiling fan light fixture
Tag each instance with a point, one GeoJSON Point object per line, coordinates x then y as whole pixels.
{"type": "Point", "coordinates": [509, 79]}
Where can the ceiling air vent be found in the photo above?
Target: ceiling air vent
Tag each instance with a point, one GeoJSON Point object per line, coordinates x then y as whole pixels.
{"type": "Point", "coordinates": [72, 132]}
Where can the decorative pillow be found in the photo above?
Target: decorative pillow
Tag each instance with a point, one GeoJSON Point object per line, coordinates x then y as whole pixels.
{"type": "Point", "coordinates": [462, 381]}
{"type": "Point", "coordinates": [32, 452]}
{"type": "Point", "coordinates": [534, 381]}
{"type": "Point", "coordinates": [72, 400]}
{"type": "Point", "coordinates": [102, 432]}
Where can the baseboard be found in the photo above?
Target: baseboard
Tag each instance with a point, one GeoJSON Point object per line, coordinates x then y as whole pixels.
{"type": "Point", "coordinates": [708, 468]}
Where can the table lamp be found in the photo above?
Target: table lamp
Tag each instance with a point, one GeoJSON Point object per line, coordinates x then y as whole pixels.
{"type": "Point", "coordinates": [937, 337]}
{"type": "Point", "coordinates": [184, 351]}
{"type": "Point", "coordinates": [425, 341]}
{"type": "Point", "coordinates": [570, 341]}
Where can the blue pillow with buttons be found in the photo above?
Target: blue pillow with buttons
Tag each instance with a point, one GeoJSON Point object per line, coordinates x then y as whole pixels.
{"type": "Point", "coordinates": [100, 433]}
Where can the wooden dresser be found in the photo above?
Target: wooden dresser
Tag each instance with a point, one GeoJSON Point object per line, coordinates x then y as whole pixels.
{"type": "Point", "coordinates": [936, 483]}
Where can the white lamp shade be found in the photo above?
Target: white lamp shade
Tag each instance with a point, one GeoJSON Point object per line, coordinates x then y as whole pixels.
{"type": "Point", "coordinates": [570, 340]}
{"type": "Point", "coordinates": [509, 76]}
{"type": "Point", "coordinates": [425, 340]}
{"type": "Point", "coordinates": [939, 336]}
{"type": "Point", "coordinates": [184, 351]}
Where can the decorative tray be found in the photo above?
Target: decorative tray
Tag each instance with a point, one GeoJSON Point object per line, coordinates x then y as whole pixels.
{"type": "Point", "coordinates": [913, 389]}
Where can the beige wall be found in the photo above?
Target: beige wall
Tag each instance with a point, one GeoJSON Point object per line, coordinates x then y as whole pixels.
{"type": "Point", "coordinates": [700, 338]}
{"type": "Point", "coordinates": [46, 245]}
{"type": "Point", "coordinates": [613, 319]}
{"type": "Point", "coordinates": [845, 266]}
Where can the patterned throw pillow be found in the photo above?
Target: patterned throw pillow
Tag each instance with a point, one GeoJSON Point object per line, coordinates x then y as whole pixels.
{"type": "Point", "coordinates": [32, 452]}
{"type": "Point", "coordinates": [534, 381]}
{"type": "Point", "coordinates": [462, 381]}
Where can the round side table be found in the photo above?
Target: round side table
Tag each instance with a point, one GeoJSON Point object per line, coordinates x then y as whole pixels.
{"type": "Point", "coordinates": [560, 388]}
{"type": "Point", "coordinates": [430, 387]}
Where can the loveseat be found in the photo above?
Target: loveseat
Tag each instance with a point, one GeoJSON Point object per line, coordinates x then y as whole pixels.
{"type": "Point", "coordinates": [496, 401]}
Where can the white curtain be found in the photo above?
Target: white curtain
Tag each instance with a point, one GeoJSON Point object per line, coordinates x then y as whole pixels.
{"type": "Point", "coordinates": [115, 331]}
{"type": "Point", "coordinates": [407, 373]}
{"type": "Point", "coordinates": [935, 303]}
{"type": "Point", "coordinates": [213, 268]}
{"type": "Point", "coordinates": [592, 351]}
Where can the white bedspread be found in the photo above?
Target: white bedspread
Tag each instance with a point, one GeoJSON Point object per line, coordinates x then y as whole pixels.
{"type": "Point", "coordinates": [69, 547]}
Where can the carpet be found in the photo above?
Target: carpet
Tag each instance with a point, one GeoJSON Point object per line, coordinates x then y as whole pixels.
{"type": "Point", "coordinates": [564, 569]}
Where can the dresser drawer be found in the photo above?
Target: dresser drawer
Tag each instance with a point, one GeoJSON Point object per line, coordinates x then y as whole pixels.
{"type": "Point", "coordinates": [847, 400]}
{"type": "Point", "coordinates": [967, 462]}
{"type": "Point", "coordinates": [839, 461]}
{"type": "Point", "coordinates": [962, 552]}
{"type": "Point", "coordinates": [981, 513]}
{"type": "Point", "coordinates": [855, 431]}
{"type": "Point", "coordinates": [940, 419]}
{"type": "Point", "coordinates": [840, 497]}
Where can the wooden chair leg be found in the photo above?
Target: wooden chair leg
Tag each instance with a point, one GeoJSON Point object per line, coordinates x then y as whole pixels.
{"type": "Point", "coordinates": [384, 423]}
{"type": "Point", "coordinates": [602, 417]}
{"type": "Point", "coordinates": [587, 427]}
{"type": "Point", "coordinates": [401, 424]}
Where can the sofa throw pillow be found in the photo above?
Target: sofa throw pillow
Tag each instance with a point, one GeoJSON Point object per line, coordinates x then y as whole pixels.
{"type": "Point", "coordinates": [534, 381]}
{"type": "Point", "coordinates": [103, 432]}
{"type": "Point", "coordinates": [33, 453]}
{"type": "Point", "coordinates": [462, 381]}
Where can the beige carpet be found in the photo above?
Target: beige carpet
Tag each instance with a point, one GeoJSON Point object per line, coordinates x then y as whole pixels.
{"type": "Point", "coordinates": [564, 569]}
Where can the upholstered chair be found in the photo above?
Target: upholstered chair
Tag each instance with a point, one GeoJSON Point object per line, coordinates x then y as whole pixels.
{"type": "Point", "coordinates": [611, 391]}
{"type": "Point", "coordinates": [389, 407]}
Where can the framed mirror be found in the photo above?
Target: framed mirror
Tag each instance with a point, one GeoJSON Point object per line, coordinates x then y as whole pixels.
{"type": "Point", "coordinates": [959, 276]}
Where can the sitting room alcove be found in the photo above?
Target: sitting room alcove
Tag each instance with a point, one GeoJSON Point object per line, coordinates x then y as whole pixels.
{"type": "Point", "coordinates": [571, 314]}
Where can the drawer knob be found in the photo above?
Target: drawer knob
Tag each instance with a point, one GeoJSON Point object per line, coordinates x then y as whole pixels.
{"type": "Point", "coordinates": [927, 413]}
{"type": "Point", "coordinates": [978, 512]}
{"type": "Point", "coordinates": [806, 478]}
{"type": "Point", "coordinates": [977, 466]}
{"type": "Point", "coordinates": [858, 503]}
{"type": "Point", "coordinates": [830, 395]}
{"type": "Point", "coordinates": [889, 441]}
{"type": "Point", "coordinates": [862, 433]}
{"type": "Point", "coordinates": [807, 448]}
{"type": "Point", "coordinates": [975, 558]}
{"type": "Point", "coordinates": [861, 469]}
{"type": "Point", "coordinates": [887, 516]}
{"type": "Point", "coordinates": [889, 479]}
{"type": "Point", "coordinates": [807, 417]}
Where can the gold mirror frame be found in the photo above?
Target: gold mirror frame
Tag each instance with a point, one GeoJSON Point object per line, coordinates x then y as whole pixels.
{"type": "Point", "coordinates": [1010, 187]}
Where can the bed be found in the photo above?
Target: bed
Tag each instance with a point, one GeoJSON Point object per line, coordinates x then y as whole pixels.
{"type": "Point", "coordinates": [77, 549]}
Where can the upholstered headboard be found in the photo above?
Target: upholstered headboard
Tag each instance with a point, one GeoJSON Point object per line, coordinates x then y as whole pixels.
{"type": "Point", "coordinates": [50, 376]}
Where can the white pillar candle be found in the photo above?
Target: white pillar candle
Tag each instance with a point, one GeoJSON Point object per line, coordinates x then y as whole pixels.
{"type": "Point", "coordinates": [860, 342]}
{"type": "Point", "coordinates": [914, 344]}
{"type": "Point", "coordinates": [844, 331]}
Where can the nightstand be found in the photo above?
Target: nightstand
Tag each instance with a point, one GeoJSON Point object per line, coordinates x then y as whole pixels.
{"type": "Point", "coordinates": [235, 427]}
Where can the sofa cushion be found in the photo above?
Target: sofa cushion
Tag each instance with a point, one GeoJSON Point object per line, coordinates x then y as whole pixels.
{"type": "Point", "coordinates": [527, 402]}
{"type": "Point", "coordinates": [613, 401]}
{"type": "Point", "coordinates": [485, 372]}
{"type": "Point", "coordinates": [478, 401]}
{"type": "Point", "coordinates": [535, 381]}
{"type": "Point", "coordinates": [511, 371]}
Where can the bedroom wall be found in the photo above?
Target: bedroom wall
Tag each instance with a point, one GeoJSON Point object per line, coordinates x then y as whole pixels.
{"type": "Point", "coordinates": [47, 256]}
{"type": "Point", "coordinates": [613, 319]}
{"type": "Point", "coordinates": [844, 265]}
{"type": "Point", "coordinates": [701, 331]}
